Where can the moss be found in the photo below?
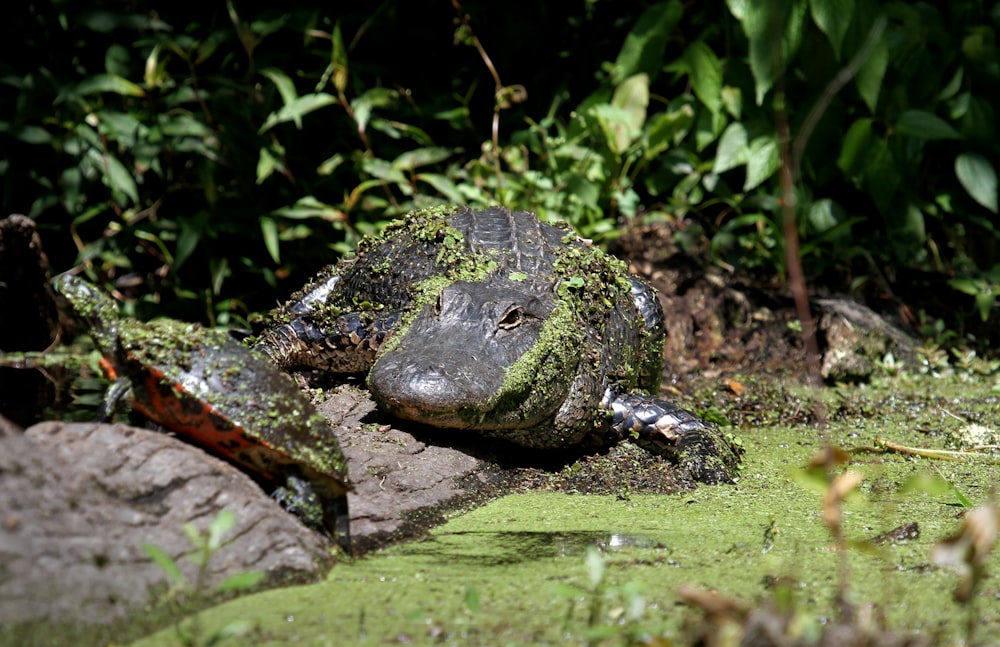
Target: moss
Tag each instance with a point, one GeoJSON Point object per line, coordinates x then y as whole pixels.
{"type": "Point", "coordinates": [523, 556]}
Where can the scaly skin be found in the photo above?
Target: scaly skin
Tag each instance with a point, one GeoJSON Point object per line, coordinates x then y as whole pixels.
{"type": "Point", "coordinates": [494, 322]}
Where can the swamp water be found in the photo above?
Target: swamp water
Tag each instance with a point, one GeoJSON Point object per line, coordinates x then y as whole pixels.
{"type": "Point", "coordinates": [564, 569]}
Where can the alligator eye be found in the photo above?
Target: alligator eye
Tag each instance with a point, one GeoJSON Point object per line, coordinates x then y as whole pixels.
{"type": "Point", "coordinates": [511, 318]}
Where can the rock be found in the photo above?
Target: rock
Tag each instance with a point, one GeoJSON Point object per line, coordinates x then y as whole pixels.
{"type": "Point", "coordinates": [79, 501]}
{"type": "Point", "coordinates": [856, 340]}
{"type": "Point", "coordinates": [395, 475]}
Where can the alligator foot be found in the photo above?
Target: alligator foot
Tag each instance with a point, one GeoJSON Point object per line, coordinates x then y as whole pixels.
{"type": "Point", "coordinates": [702, 450]}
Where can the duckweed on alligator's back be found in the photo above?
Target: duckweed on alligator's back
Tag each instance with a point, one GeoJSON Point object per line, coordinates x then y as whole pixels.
{"type": "Point", "coordinates": [495, 322]}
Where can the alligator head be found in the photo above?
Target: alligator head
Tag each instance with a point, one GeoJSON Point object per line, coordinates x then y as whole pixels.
{"type": "Point", "coordinates": [482, 355]}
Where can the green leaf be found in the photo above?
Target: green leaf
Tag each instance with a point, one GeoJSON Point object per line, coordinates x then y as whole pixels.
{"type": "Point", "coordinates": [443, 185]}
{"type": "Point", "coordinates": [107, 83]}
{"type": "Point", "coordinates": [870, 76]}
{"type": "Point", "coordinates": [632, 98]}
{"type": "Point", "coordinates": [822, 215]}
{"type": "Point", "coordinates": [472, 599]}
{"type": "Point", "coordinates": [985, 302]}
{"type": "Point", "coordinates": [165, 562]}
{"type": "Point", "coordinates": [367, 102]}
{"type": "Point", "coordinates": [925, 125]}
{"type": "Point", "coordinates": [296, 109]}
{"type": "Point", "coordinates": [666, 129]}
{"type": "Point", "coordinates": [309, 207]}
{"type": "Point", "coordinates": [269, 229]}
{"type": "Point", "coordinates": [612, 123]}
{"type": "Point", "coordinates": [32, 135]}
{"type": "Point", "coordinates": [218, 269]}
{"type": "Point", "coordinates": [705, 74]}
{"type": "Point", "coordinates": [187, 242]}
{"type": "Point", "coordinates": [979, 178]}
{"type": "Point", "coordinates": [733, 150]}
{"type": "Point", "coordinates": [855, 146]}
{"type": "Point", "coordinates": [774, 31]}
{"type": "Point", "coordinates": [644, 46]}
{"type": "Point", "coordinates": [266, 165]}
{"type": "Point", "coordinates": [763, 161]}
{"type": "Point", "coordinates": [116, 176]}
{"type": "Point", "coordinates": [285, 85]}
{"type": "Point", "coordinates": [338, 60]}
{"type": "Point", "coordinates": [833, 17]}
{"type": "Point", "coordinates": [880, 173]}
{"type": "Point", "coordinates": [732, 99]}
{"type": "Point", "coordinates": [241, 581]}
{"type": "Point", "coordinates": [421, 157]}
{"type": "Point", "coordinates": [183, 125]}
{"type": "Point", "coordinates": [329, 165]}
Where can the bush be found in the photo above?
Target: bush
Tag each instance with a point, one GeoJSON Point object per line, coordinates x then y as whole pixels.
{"type": "Point", "coordinates": [192, 157]}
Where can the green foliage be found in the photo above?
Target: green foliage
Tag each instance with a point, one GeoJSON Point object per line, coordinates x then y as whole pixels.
{"type": "Point", "coordinates": [184, 591]}
{"type": "Point", "coordinates": [193, 158]}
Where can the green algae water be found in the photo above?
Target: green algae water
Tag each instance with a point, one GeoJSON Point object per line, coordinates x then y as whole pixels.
{"type": "Point", "coordinates": [546, 568]}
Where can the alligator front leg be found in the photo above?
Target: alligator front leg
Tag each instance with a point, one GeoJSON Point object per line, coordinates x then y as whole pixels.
{"type": "Point", "coordinates": [663, 428]}
{"type": "Point", "coordinates": [344, 344]}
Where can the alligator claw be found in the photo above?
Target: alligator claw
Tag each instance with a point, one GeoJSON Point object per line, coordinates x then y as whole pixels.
{"type": "Point", "coordinates": [699, 447]}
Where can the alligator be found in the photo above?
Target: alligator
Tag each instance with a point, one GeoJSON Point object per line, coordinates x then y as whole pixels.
{"type": "Point", "coordinates": [496, 322]}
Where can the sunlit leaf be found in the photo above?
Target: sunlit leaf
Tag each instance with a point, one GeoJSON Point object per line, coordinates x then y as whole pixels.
{"type": "Point", "coordinates": [309, 207]}
{"type": "Point", "coordinates": [872, 73]}
{"type": "Point", "coordinates": [665, 129]}
{"type": "Point", "coordinates": [329, 165]}
{"type": "Point", "coordinates": [645, 44]}
{"type": "Point", "coordinates": [285, 85]}
{"type": "Point", "coordinates": [443, 185]}
{"type": "Point", "coordinates": [269, 230]}
{"type": "Point", "coordinates": [367, 102]}
{"type": "Point", "coordinates": [219, 270]}
{"type": "Point", "coordinates": [296, 109]}
{"type": "Point", "coordinates": [338, 60]}
{"type": "Point", "coordinates": [732, 99]}
{"type": "Point", "coordinates": [774, 32]}
{"type": "Point", "coordinates": [833, 17]}
{"type": "Point", "coordinates": [733, 150]}
{"type": "Point", "coordinates": [762, 162]}
{"type": "Point", "coordinates": [421, 157]}
{"type": "Point", "coordinates": [631, 97]}
{"type": "Point", "coordinates": [979, 178]}
{"type": "Point", "coordinates": [618, 128]}
{"type": "Point", "coordinates": [706, 74]}
{"type": "Point", "coordinates": [266, 164]}
{"type": "Point", "coordinates": [116, 176]}
{"type": "Point", "coordinates": [108, 83]}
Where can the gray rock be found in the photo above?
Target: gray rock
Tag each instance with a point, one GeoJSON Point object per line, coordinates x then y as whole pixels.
{"type": "Point", "coordinates": [856, 340]}
{"type": "Point", "coordinates": [79, 501]}
{"type": "Point", "coordinates": [395, 475]}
